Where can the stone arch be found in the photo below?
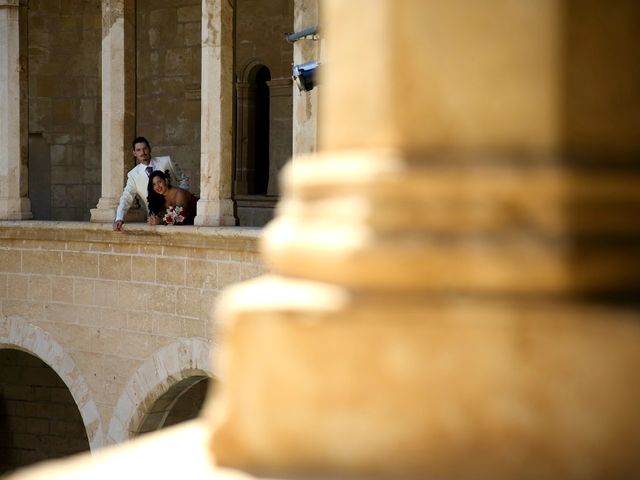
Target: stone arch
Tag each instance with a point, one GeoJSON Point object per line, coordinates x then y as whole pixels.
{"type": "Point", "coordinates": [250, 69]}
{"type": "Point", "coordinates": [29, 338]}
{"type": "Point", "coordinates": [174, 363]}
{"type": "Point", "coordinates": [181, 402]}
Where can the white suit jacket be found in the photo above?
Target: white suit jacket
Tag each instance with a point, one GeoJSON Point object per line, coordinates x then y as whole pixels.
{"type": "Point", "coordinates": [137, 181]}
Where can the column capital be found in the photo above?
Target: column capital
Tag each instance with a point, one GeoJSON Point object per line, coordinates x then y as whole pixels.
{"type": "Point", "coordinates": [280, 87]}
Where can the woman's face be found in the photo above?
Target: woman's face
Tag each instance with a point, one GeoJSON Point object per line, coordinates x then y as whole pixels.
{"type": "Point", "coordinates": [159, 185]}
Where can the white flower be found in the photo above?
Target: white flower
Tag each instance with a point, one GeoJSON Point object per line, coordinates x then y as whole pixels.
{"type": "Point", "coordinates": [173, 216]}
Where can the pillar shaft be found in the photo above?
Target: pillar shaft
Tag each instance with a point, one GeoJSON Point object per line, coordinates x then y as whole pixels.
{"type": "Point", "coordinates": [14, 202]}
{"type": "Point", "coordinates": [118, 102]}
{"type": "Point", "coordinates": [215, 206]}
{"type": "Point", "coordinates": [450, 106]}
{"type": "Point", "coordinates": [468, 140]}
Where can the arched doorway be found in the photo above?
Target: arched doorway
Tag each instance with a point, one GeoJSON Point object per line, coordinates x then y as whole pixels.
{"type": "Point", "coordinates": [252, 132]}
{"type": "Point", "coordinates": [263, 128]}
{"type": "Point", "coordinates": [39, 420]}
{"type": "Point", "coordinates": [252, 153]}
{"type": "Point", "coordinates": [183, 401]}
{"type": "Point", "coordinates": [259, 160]}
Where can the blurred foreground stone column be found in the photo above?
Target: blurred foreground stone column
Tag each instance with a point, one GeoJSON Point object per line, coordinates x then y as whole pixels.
{"type": "Point", "coordinates": [14, 181]}
{"type": "Point", "coordinates": [118, 103]}
{"type": "Point", "coordinates": [456, 274]}
{"type": "Point", "coordinates": [215, 206]}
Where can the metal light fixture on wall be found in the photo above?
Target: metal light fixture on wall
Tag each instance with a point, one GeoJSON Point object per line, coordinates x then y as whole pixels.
{"type": "Point", "coordinates": [304, 75]}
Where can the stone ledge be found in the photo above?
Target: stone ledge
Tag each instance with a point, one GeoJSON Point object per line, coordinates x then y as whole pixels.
{"type": "Point", "coordinates": [223, 238]}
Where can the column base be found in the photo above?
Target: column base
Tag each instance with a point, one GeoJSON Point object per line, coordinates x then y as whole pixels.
{"type": "Point", "coordinates": [215, 213]}
{"type": "Point", "coordinates": [320, 379]}
{"type": "Point", "coordinates": [15, 209]}
{"type": "Point", "coordinates": [105, 211]}
{"type": "Point", "coordinates": [102, 216]}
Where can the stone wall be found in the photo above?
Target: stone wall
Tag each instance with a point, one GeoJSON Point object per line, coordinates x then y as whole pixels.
{"type": "Point", "coordinates": [125, 316]}
{"type": "Point", "coordinates": [260, 40]}
{"type": "Point", "coordinates": [64, 107]}
{"type": "Point", "coordinates": [260, 29]}
{"type": "Point", "coordinates": [168, 81]}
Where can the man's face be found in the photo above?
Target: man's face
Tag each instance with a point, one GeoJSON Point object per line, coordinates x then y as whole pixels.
{"type": "Point", "coordinates": [142, 152]}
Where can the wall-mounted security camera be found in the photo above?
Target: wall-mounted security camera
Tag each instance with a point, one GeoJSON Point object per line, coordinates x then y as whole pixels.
{"type": "Point", "coordinates": [304, 75]}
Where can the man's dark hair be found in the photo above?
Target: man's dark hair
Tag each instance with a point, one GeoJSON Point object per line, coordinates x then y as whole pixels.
{"type": "Point", "coordinates": [140, 140]}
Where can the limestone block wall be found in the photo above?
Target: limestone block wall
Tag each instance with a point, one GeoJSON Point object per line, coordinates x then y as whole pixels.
{"type": "Point", "coordinates": [120, 317]}
{"type": "Point", "coordinates": [168, 80]}
{"type": "Point", "coordinates": [280, 127]}
{"type": "Point", "coordinates": [260, 29]}
{"type": "Point", "coordinates": [260, 40]}
{"type": "Point", "coordinates": [64, 108]}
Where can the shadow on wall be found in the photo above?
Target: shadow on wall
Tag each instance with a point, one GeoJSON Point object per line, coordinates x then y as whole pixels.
{"type": "Point", "coordinates": [601, 126]}
{"type": "Point", "coordinates": [39, 419]}
{"type": "Point", "coordinates": [40, 177]}
{"type": "Point", "coordinates": [182, 402]}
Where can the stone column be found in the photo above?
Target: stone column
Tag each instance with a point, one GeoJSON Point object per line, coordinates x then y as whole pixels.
{"type": "Point", "coordinates": [118, 102]}
{"type": "Point", "coordinates": [305, 104]}
{"type": "Point", "coordinates": [215, 206]}
{"type": "Point", "coordinates": [455, 275]}
{"type": "Point", "coordinates": [14, 181]}
{"type": "Point", "coordinates": [279, 129]}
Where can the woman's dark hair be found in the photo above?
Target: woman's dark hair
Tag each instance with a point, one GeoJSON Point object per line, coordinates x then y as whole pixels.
{"type": "Point", "coordinates": [155, 200]}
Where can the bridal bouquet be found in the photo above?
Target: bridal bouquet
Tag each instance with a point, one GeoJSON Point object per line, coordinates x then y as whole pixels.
{"type": "Point", "coordinates": [173, 216]}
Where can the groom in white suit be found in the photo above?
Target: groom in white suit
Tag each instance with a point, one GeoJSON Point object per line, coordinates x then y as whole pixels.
{"type": "Point", "coordinates": [138, 178]}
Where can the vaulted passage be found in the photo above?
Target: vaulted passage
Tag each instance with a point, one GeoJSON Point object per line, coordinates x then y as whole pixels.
{"type": "Point", "coordinates": [39, 419]}
{"type": "Point", "coordinates": [182, 402]}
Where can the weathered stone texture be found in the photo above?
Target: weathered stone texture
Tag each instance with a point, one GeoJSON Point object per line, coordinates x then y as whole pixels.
{"type": "Point", "coordinates": [168, 56]}
{"type": "Point", "coordinates": [260, 42]}
{"type": "Point", "coordinates": [260, 29]}
{"type": "Point", "coordinates": [114, 300]}
{"type": "Point", "coordinates": [64, 104]}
